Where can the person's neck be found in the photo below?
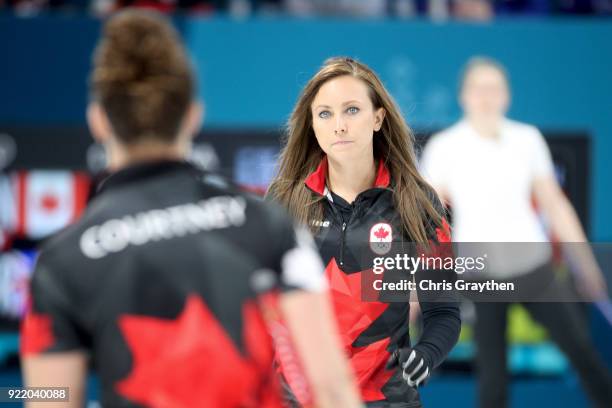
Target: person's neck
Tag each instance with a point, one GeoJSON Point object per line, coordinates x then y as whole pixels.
{"type": "Point", "coordinates": [129, 155]}
{"type": "Point", "coordinates": [487, 128]}
{"type": "Point", "coordinates": [351, 178]}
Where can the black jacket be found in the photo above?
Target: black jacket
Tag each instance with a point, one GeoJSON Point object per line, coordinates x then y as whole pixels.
{"type": "Point", "coordinates": [160, 283]}
{"type": "Point", "coordinates": [372, 330]}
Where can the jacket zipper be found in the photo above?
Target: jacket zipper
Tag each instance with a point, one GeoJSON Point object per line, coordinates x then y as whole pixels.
{"type": "Point", "coordinates": [342, 243]}
{"type": "Point", "coordinates": [344, 225]}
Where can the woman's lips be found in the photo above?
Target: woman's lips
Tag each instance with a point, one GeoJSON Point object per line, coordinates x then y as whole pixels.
{"type": "Point", "coordinates": [342, 142]}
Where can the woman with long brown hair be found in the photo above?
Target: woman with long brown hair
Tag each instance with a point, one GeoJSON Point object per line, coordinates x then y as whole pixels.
{"type": "Point", "coordinates": [348, 170]}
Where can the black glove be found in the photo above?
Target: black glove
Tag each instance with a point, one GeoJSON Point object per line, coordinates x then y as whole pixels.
{"type": "Point", "coordinates": [414, 365]}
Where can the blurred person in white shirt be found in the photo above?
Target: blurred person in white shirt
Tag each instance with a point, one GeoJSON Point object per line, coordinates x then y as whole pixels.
{"type": "Point", "coordinates": [488, 168]}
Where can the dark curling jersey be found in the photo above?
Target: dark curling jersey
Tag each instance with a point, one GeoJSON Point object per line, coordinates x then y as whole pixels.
{"type": "Point", "coordinates": [164, 282]}
{"type": "Point", "coordinates": [371, 329]}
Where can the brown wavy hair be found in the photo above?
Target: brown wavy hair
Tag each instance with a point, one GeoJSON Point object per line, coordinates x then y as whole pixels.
{"type": "Point", "coordinates": [142, 77]}
{"type": "Point", "coordinates": [414, 199]}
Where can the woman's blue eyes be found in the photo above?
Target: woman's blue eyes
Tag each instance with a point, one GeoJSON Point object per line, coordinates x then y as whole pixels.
{"type": "Point", "coordinates": [326, 114]}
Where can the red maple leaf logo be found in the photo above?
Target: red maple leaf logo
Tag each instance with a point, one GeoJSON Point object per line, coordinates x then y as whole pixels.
{"type": "Point", "coordinates": [49, 202]}
{"type": "Point", "coordinates": [187, 362]}
{"type": "Point", "coordinates": [381, 233]}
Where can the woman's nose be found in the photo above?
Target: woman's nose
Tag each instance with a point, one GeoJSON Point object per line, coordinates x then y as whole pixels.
{"type": "Point", "coordinates": [340, 126]}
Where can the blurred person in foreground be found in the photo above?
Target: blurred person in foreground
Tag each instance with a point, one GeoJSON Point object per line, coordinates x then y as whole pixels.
{"type": "Point", "coordinates": [488, 167]}
{"type": "Point", "coordinates": [348, 170]}
{"type": "Point", "coordinates": [172, 278]}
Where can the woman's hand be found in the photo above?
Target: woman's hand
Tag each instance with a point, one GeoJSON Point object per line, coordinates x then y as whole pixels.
{"type": "Point", "coordinates": [414, 366]}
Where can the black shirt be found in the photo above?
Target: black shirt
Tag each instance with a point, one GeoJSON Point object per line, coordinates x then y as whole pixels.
{"type": "Point", "coordinates": [372, 330]}
{"type": "Point", "coordinates": [162, 282]}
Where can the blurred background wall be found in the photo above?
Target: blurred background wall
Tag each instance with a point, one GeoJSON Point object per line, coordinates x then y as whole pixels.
{"type": "Point", "coordinates": [252, 70]}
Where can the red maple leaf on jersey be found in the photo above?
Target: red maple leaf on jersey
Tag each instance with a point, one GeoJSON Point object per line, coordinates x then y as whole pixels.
{"type": "Point", "coordinates": [353, 316]}
{"type": "Point", "coordinates": [381, 233]}
{"type": "Point", "coordinates": [187, 362]}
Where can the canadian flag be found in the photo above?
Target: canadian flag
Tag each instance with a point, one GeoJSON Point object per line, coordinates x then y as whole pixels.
{"type": "Point", "coordinates": [48, 201]}
{"type": "Point", "coordinates": [7, 211]}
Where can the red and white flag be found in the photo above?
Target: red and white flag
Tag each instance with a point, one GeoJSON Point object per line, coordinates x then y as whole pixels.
{"type": "Point", "coordinates": [48, 201]}
{"type": "Point", "coordinates": [8, 212]}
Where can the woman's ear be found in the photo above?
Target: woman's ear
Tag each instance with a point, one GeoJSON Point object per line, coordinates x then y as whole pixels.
{"type": "Point", "coordinates": [98, 122]}
{"type": "Point", "coordinates": [379, 117]}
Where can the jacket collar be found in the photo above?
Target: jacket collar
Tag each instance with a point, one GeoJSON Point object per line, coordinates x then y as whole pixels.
{"type": "Point", "coordinates": [142, 171]}
{"type": "Point", "coordinates": [316, 180]}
